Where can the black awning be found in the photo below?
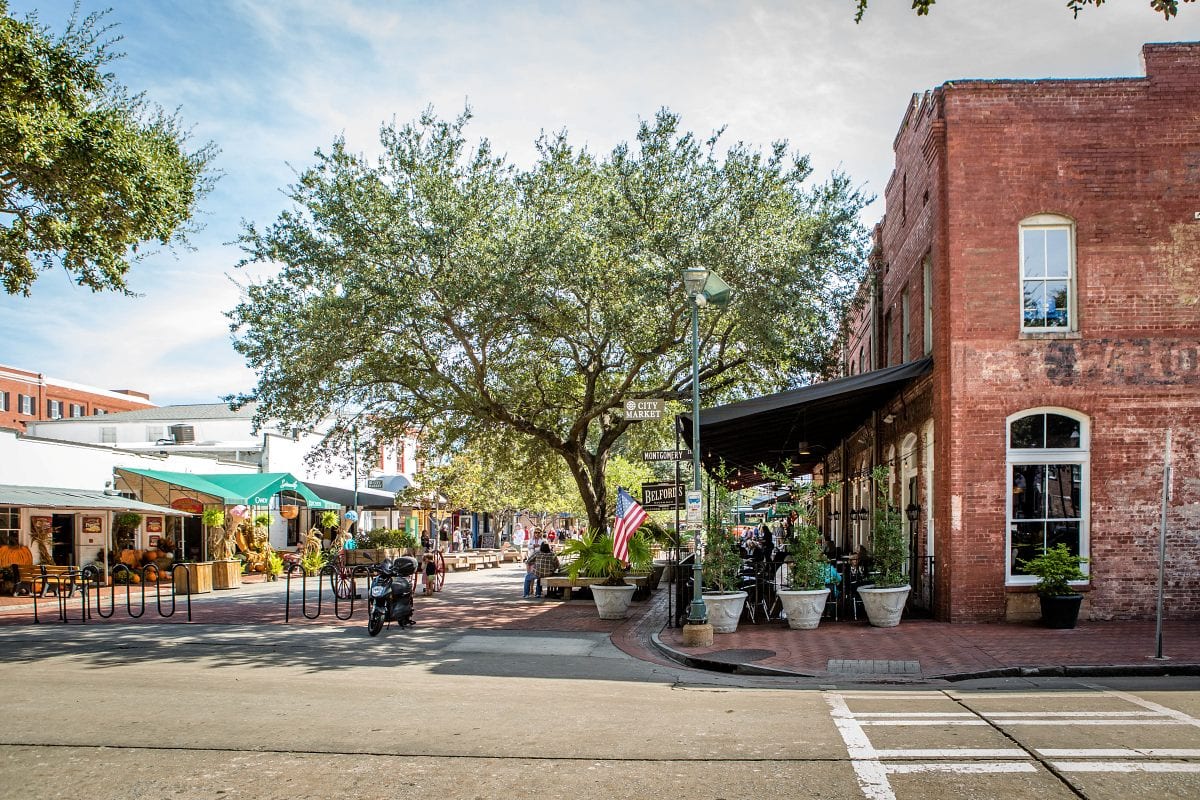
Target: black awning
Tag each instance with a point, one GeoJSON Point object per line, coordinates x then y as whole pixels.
{"type": "Point", "coordinates": [367, 498]}
{"type": "Point", "coordinates": [769, 430]}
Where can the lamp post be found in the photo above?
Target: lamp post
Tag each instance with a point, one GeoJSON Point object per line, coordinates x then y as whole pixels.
{"type": "Point", "coordinates": [693, 282]}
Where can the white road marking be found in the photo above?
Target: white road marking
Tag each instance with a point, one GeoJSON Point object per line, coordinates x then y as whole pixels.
{"type": "Point", "coordinates": [996, 714]}
{"type": "Point", "coordinates": [1178, 716]}
{"type": "Point", "coordinates": [960, 752]}
{"type": "Point", "coordinates": [925, 722]}
{"type": "Point", "coordinates": [977, 767]}
{"type": "Point", "coordinates": [1124, 766]}
{"type": "Point", "coordinates": [1089, 722]}
{"type": "Point", "coordinates": [872, 777]}
{"type": "Point", "coordinates": [1120, 752]}
{"type": "Point", "coordinates": [917, 714]}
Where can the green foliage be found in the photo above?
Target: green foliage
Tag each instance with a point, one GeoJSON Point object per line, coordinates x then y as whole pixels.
{"type": "Point", "coordinates": [313, 562]}
{"type": "Point", "coordinates": [274, 565]}
{"type": "Point", "coordinates": [329, 519]}
{"type": "Point", "coordinates": [389, 537]}
{"type": "Point", "coordinates": [214, 517]}
{"type": "Point", "coordinates": [262, 520]}
{"type": "Point", "coordinates": [889, 547]}
{"type": "Point", "coordinates": [1054, 569]}
{"type": "Point", "coordinates": [722, 560]}
{"type": "Point", "coordinates": [1168, 8]}
{"type": "Point", "coordinates": [441, 233]}
{"type": "Point", "coordinates": [88, 173]}
{"type": "Point", "coordinates": [806, 550]}
{"type": "Point", "coordinates": [127, 521]}
{"type": "Point", "coordinates": [591, 555]}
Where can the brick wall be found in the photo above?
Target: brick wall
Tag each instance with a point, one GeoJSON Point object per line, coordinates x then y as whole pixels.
{"type": "Point", "coordinates": [1121, 159]}
{"type": "Point", "coordinates": [16, 382]}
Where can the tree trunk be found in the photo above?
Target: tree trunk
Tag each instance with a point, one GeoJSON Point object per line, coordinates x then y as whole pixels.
{"type": "Point", "coordinates": [588, 472]}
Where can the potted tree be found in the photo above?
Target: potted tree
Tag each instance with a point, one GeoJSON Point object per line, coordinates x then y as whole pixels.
{"type": "Point", "coordinates": [804, 603]}
{"type": "Point", "coordinates": [884, 598]}
{"type": "Point", "coordinates": [591, 556]}
{"type": "Point", "coordinates": [1055, 568]}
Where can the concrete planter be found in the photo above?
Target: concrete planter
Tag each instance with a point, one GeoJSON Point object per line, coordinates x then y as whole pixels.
{"type": "Point", "coordinates": [724, 610]}
{"type": "Point", "coordinates": [612, 601]}
{"type": "Point", "coordinates": [884, 606]}
{"type": "Point", "coordinates": [803, 607]}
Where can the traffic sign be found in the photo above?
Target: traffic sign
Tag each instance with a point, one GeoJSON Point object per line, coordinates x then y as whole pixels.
{"type": "Point", "coordinates": [695, 511]}
{"type": "Point", "coordinates": [666, 455]}
{"type": "Point", "coordinates": [644, 409]}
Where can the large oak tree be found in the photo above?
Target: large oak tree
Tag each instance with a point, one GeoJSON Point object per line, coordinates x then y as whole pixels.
{"type": "Point", "coordinates": [88, 174]}
{"type": "Point", "coordinates": [439, 286]}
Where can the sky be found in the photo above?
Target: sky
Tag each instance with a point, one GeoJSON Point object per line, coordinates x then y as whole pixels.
{"type": "Point", "coordinates": [271, 81]}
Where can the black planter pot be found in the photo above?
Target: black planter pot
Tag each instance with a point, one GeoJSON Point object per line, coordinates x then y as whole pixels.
{"type": "Point", "coordinates": [1061, 611]}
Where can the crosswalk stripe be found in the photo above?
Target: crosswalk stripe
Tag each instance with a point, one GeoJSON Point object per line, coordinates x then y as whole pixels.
{"type": "Point", "coordinates": [1120, 752]}
{"type": "Point", "coordinates": [1125, 766]}
{"type": "Point", "coordinates": [958, 752]}
{"type": "Point", "coordinates": [963, 768]}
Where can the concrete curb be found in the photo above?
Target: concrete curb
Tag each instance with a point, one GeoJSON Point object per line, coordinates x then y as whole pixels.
{"type": "Point", "coordinates": [1045, 671]}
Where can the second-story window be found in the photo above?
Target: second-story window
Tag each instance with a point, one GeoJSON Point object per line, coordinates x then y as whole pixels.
{"type": "Point", "coordinates": [54, 409]}
{"type": "Point", "coordinates": [26, 403]}
{"type": "Point", "coordinates": [76, 409]}
{"type": "Point", "coordinates": [1047, 274]}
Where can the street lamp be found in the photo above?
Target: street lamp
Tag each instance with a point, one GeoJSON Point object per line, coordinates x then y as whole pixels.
{"type": "Point", "coordinates": [703, 287]}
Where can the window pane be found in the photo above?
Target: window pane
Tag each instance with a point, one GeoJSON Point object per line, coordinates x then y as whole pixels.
{"type": "Point", "coordinates": [1063, 533]}
{"type": "Point", "coordinates": [1062, 490]}
{"type": "Point", "coordinates": [1027, 540]}
{"type": "Point", "coordinates": [1035, 304]}
{"type": "Point", "coordinates": [1062, 431]}
{"type": "Point", "coordinates": [1028, 432]}
{"type": "Point", "coordinates": [1035, 254]}
{"type": "Point", "coordinates": [1057, 258]}
{"type": "Point", "coordinates": [1055, 293]}
{"type": "Point", "coordinates": [1028, 498]}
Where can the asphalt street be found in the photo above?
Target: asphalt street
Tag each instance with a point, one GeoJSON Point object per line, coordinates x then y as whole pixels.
{"type": "Point", "coordinates": [275, 711]}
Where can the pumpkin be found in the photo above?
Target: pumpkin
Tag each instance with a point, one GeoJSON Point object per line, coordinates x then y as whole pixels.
{"type": "Point", "coordinates": [130, 558]}
{"type": "Point", "coordinates": [15, 554]}
{"type": "Point", "coordinates": [149, 556]}
{"type": "Point", "coordinates": [134, 578]}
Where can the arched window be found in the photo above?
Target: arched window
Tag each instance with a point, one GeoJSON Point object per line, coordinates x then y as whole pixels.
{"type": "Point", "coordinates": [1048, 460]}
{"type": "Point", "coordinates": [1048, 275]}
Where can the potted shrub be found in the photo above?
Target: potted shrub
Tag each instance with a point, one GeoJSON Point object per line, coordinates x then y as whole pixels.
{"type": "Point", "coordinates": [1055, 568]}
{"type": "Point", "coordinates": [721, 563]}
{"type": "Point", "coordinates": [884, 598]}
{"type": "Point", "coordinates": [591, 556]}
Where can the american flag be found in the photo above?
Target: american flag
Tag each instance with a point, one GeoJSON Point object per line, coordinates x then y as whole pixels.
{"type": "Point", "coordinates": [630, 517]}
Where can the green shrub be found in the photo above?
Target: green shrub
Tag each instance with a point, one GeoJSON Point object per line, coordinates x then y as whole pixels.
{"type": "Point", "coordinates": [1055, 568]}
{"type": "Point", "coordinates": [889, 546]}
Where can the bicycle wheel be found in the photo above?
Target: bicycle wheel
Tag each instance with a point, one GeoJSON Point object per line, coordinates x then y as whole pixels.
{"type": "Point", "coordinates": [441, 571]}
{"type": "Point", "coordinates": [340, 580]}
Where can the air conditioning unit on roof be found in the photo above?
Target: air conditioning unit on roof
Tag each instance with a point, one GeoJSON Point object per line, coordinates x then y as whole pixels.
{"type": "Point", "coordinates": [183, 434]}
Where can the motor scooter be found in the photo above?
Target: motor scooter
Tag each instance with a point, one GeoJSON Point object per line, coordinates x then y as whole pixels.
{"type": "Point", "coordinates": [390, 598]}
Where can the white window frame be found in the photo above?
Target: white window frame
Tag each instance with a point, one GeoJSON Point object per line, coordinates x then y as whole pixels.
{"type": "Point", "coordinates": [1048, 222]}
{"type": "Point", "coordinates": [4, 401]}
{"type": "Point", "coordinates": [26, 405]}
{"type": "Point", "coordinates": [1048, 455]}
{"type": "Point", "coordinates": [54, 409]}
{"type": "Point", "coordinates": [77, 407]}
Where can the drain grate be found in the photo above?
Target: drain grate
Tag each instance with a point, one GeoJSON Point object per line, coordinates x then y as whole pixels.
{"type": "Point", "coordinates": [738, 656]}
{"type": "Point", "coordinates": [867, 666]}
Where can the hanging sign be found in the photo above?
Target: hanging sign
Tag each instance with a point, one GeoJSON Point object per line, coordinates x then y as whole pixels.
{"type": "Point", "coordinates": [695, 511]}
{"type": "Point", "coordinates": [644, 409]}
{"type": "Point", "coordinates": [661, 496]}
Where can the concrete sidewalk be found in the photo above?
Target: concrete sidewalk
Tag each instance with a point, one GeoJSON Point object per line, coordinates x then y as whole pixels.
{"type": "Point", "coordinates": [921, 650]}
{"type": "Point", "coordinates": [917, 650]}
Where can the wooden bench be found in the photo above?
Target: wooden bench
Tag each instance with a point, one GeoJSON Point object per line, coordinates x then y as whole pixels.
{"type": "Point", "coordinates": [40, 578]}
{"type": "Point", "coordinates": [566, 584]}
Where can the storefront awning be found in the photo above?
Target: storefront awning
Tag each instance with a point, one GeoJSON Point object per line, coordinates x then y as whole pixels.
{"type": "Point", "coordinates": [367, 498]}
{"type": "Point", "coordinates": [251, 488]}
{"type": "Point", "coordinates": [768, 430]}
{"type": "Point", "coordinates": [54, 497]}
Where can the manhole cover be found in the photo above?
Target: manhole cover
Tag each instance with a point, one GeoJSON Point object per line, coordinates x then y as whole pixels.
{"type": "Point", "coordinates": [738, 656]}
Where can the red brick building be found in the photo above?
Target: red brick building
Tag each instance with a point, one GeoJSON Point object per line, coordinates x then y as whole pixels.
{"type": "Point", "coordinates": [30, 396]}
{"type": "Point", "coordinates": [1030, 334]}
{"type": "Point", "coordinates": [1042, 243]}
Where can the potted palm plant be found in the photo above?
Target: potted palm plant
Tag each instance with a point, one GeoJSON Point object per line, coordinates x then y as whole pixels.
{"type": "Point", "coordinates": [591, 556]}
{"type": "Point", "coordinates": [1055, 568]}
{"type": "Point", "coordinates": [884, 598]}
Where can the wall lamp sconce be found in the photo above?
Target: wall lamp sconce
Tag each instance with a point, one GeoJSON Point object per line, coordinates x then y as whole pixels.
{"type": "Point", "coordinates": [912, 511]}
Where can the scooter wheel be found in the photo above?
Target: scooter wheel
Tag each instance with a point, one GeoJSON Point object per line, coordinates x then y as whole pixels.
{"type": "Point", "coordinates": [375, 624]}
